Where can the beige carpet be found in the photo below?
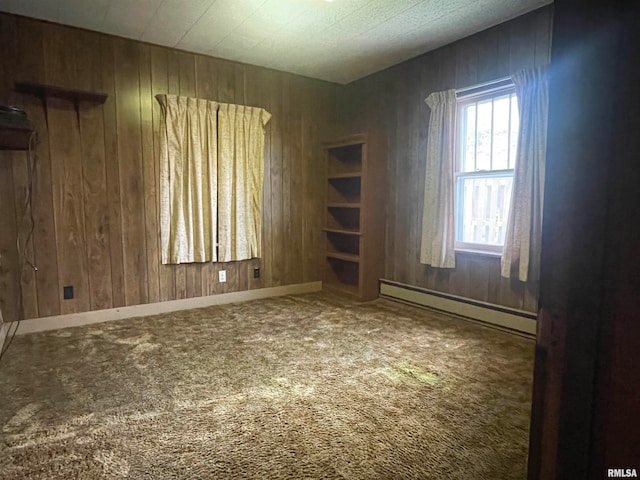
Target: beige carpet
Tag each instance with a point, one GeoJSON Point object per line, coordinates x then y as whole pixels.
{"type": "Point", "coordinates": [287, 388]}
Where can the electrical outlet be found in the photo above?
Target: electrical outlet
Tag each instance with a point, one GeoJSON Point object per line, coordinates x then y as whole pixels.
{"type": "Point", "coordinates": [256, 273]}
{"type": "Point", "coordinates": [222, 276]}
{"type": "Point", "coordinates": [67, 292]}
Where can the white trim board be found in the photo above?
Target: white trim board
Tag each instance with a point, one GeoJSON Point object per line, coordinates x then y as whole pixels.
{"type": "Point", "coordinates": [4, 330]}
{"type": "Point", "coordinates": [511, 319]}
{"type": "Point", "coordinates": [87, 318]}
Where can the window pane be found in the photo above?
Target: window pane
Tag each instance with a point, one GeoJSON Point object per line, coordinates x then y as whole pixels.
{"type": "Point", "coordinates": [515, 125]}
{"type": "Point", "coordinates": [483, 209]}
{"type": "Point", "coordinates": [501, 133]}
{"type": "Point", "coordinates": [483, 152]}
{"type": "Point", "coordinates": [469, 138]}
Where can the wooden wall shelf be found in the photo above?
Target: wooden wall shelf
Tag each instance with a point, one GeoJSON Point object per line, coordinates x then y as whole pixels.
{"type": "Point", "coordinates": [44, 91]}
{"type": "Point", "coordinates": [342, 231]}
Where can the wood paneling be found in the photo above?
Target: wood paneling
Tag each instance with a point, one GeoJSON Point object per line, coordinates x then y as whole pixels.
{"type": "Point", "coordinates": [587, 381]}
{"type": "Point", "coordinates": [96, 203]}
{"type": "Point", "coordinates": [116, 252]}
{"type": "Point", "coordinates": [392, 103]}
{"type": "Point", "coordinates": [96, 197]}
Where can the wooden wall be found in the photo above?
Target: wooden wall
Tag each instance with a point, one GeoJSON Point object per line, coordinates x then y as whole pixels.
{"type": "Point", "coordinates": [96, 195]}
{"type": "Point", "coordinates": [391, 103]}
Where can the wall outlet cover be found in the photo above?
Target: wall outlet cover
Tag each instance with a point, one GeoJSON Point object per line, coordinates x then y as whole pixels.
{"type": "Point", "coordinates": [256, 273]}
{"type": "Point", "coordinates": [222, 276]}
{"type": "Point", "coordinates": [67, 292]}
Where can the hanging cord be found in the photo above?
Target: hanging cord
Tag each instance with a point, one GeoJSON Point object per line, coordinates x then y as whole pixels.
{"type": "Point", "coordinates": [23, 258]}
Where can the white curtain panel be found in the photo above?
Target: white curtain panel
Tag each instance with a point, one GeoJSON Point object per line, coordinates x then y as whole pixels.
{"type": "Point", "coordinates": [438, 238]}
{"type": "Point", "coordinates": [188, 170]}
{"type": "Point", "coordinates": [240, 178]}
{"type": "Point", "coordinates": [521, 253]}
{"type": "Point", "coordinates": [211, 177]}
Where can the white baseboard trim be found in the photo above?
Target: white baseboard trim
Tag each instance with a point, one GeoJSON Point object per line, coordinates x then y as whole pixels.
{"type": "Point", "coordinates": [99, 316]}
{"type": "Point", "coordinates": [4, 329]}
{"type": "Point", "coordinates": [503, 317]}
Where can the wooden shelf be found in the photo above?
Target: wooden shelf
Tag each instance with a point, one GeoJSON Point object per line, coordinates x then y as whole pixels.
{"type": "Point", "coordinates": [343, 205]}
{"type": "Point", "coordinates": [44, 91]}
{"type": "Point", "coordinates": [344, 188]}
{"type": "Point", "coordinates": [342, 231]}
{"type": "Point", "coordinates": [357, 139]}
{"type": "Point", "coordinates": [348, 257]}
{"type": "Point", "coordinates": [15, 138]}
{"type": "Point", "coordinates": [345, 175]}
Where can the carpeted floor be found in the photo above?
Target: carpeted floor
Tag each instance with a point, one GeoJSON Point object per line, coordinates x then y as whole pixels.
{"type": "Point", "coordinates": [286, 388]}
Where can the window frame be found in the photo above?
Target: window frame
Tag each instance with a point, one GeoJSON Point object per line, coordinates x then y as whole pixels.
{"type": "Point", "coordinates": [466, 97]}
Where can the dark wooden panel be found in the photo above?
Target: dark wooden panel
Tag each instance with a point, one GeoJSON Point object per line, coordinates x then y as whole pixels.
{"type": "Point", "coordinates": [253, 97]}
{"type": "Point", "coordinates": [295, 208]}
{"type": "Point", "coordinates": [66, 173]}
{"type": "Point", "coordinates": [543, 25]}
{"type": "Point", "coordinates": [129, 144]}
{"type": "Point", "coordinates": [495, 53]}
{"type": "Point", "coordinates": [97, 196]}
{"type": "Point", "coordinates": [8, 37]}
{"type": "Point", "coordinates": [277, 232]}
{"type": "Point", "coordinates": [308, 198]}
{"type": "Point", "coordinates": [159, 85]}
{"type": "Point", "coordinates": [265, 80]}
{"type": "Point", "coordinates": [22, 182]}
{"type": "Point", "coordinates": [31, 47]}
{"type": "Point", "coordinates": [411, 170]}
{"type": "Point", "coordinates": [44, 236]}
{"type": "Point", "coordinates": [467, 64]}
{"type": "Point", "coordinates": [96, 208]}
{"type": "Point", "coordinates": [285, 126]}
{"type": "Point", "coordinates": [17, 278]}
{"type": "Point", "coordinates": [8, 254]}
{"type": "Point", "coordinates": [488, 59]}
{"type": "Point", "coordinates": [31, 65]}
{"type": "Point", "coordinates": [522, 44]}
{"type": "Point", "coordinates": [59, 58]}
{"type": "Point", "coordinates": [112, 166]}
{"type": "Point", "coordinates": [149, 174]}
{"type": "Point", "coordinates": [392, 186]}
{"type": "Point", "coordinates": [586, 392]}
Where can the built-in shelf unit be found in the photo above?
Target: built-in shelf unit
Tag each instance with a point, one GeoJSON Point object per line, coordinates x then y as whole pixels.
{"type": "Point", "coordinates": [354, 216]}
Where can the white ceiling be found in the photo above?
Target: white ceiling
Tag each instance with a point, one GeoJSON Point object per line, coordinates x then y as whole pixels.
{"type": "Point", "coordinates": [339, 41]}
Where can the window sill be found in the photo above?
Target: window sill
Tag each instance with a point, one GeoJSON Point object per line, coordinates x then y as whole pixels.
{"type": "Point", "coordinates": [479, 253]}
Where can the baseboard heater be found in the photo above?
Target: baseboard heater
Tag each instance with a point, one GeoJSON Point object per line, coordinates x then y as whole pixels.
{"type": "Point", "coordinates": [486, 313]}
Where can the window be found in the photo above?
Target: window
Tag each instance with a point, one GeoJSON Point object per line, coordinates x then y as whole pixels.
{"type": "Point", "coordinates": [487, 136]}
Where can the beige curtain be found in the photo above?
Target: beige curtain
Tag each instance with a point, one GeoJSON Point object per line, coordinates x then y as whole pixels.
{"type": "Point", "coordinates": [188, 166]}
{"type": "Point", "coordinates": [438, 238]}
{"type": "Point", "coordinates": [521, 253]}
{"type": "Point", "coordinates": [211, 176]}
{"type": "Point", "coordinates": [240, 179]}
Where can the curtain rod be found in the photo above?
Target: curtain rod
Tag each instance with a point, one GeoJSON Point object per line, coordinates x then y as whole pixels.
{"type": "Point", "coordinates": [492, 84]}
